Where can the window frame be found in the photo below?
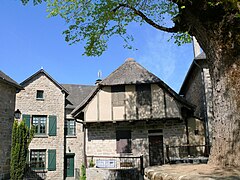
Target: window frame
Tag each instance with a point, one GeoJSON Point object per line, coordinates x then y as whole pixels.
{"type": "Point", "coordinates": [68, 126]}
{"type": "Point", "coordinates": [39, 153]}
{"type": "Point", "coordinates": [38, 129]}
{"type": "Point", "coordinates": [40, 92]}
{"type": "Point", "coordinates": [124, 135]}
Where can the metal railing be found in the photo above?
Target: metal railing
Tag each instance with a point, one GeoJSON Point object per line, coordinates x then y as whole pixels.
{"type": "Point", "coordinates": [116, 162]}
{"type": "Point", "coordinates": [187, 152]}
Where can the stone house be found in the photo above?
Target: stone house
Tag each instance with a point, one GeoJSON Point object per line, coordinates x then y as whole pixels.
{"type": "Point", "coordinates": [8, 89]}
{"type": "Point", "coordinates": [197, 89]}
{"type": "Point", "coordinates": [128, 115]}
{"type": "Point", "coordinates": [56, 149]}
{"type": "Point", "coordinates": [133, 113]}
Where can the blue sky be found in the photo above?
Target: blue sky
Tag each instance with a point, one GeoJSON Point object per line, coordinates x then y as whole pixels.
{"type": "Point", "coordinates": [30, 40]}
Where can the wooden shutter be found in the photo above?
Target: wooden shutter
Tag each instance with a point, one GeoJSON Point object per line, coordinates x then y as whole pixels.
{"type": "Point", "coordinates": [26, 119]}
{"type": "Point", "coordinates": [123, 141]}
{"type": "Point", "coordinates": [52, 159]}
{"type": "Point", "coordinates": [52, 126]}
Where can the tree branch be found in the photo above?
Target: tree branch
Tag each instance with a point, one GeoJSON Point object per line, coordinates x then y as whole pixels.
{"type": "Point", "coordinates": [146, 19]}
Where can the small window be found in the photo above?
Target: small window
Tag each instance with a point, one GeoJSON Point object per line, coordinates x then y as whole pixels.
{"type": "Point", "coordinates": [40, 94]}
{"type": "Point", "coordinates": [144, 94]}
{"type": "Point", "coordinates": [123, 141]}
{"type": "Point", "coordinates": [70, 127]}
{"type": "Point", "coordinates": [38, 159]}
{"type": "Point", "coordinates": [118, 95]}
{"type": "Point", "coordinates": [39, 123]}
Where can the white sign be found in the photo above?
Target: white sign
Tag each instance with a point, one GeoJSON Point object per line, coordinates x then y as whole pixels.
{"type": "Point", "coordinates": [106, 163]}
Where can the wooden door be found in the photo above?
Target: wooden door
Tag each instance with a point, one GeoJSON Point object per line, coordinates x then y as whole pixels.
{"type": "Point", "coordinates": [156, 150]}
{"type": "Point", "coordinates": [69, 165]}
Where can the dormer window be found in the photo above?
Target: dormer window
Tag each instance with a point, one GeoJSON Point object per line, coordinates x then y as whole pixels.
{"type": "Point", "coordinates": [39, 94]}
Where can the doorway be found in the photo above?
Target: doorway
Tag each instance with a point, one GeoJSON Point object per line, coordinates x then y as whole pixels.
{"type": "Point", "coordinates": [69, 165]}
{"type": "Point", "coordinates": [156, 156]}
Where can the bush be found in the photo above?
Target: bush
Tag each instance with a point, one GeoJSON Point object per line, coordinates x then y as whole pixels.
{"type": "Point", "coordinates": [21, 138]}
{"type": "Point", "coordinates": [83, 173]}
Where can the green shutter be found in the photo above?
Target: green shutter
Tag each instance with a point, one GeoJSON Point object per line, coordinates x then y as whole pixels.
{"type": "Point", "coordinates": [52, 126]}
{"type": "Point", "coordinates": [26, 119]}
{"type": "Point", "coordinates": [52, 159]}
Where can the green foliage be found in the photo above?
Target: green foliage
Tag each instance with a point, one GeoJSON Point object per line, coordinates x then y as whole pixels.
{"type": "Point", "coordinates": [21, 138]}
{"type": "Point", "coordinates": [83, 173]}
{"type": "Point", "coordinates": [179, 39]}
{"type": "Point", "coordinates": [35, 2]}
{"type": "Point", "coordinates": [93, 22]}
{"type": "Point", "coordinates": [91, 163]}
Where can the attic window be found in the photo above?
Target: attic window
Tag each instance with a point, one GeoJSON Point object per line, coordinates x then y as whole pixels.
{"type": "Point", "coordinates": [39, 94]}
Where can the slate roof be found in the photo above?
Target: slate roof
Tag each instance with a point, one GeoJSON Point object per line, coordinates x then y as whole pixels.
{"type": "Point", "coordinates": [5, 78]}
{"type": "Point", "coordinates": [46, 74]}
{"type": "Point", "coordinates": [130, 72]}
{"type": "Point", "coordinates": [77, 93]}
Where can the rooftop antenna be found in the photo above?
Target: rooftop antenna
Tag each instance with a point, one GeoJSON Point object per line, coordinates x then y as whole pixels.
{"type": "Point", "coordinates": [99, 74]}
{"type": "Point", "coordinates": [99, 77]}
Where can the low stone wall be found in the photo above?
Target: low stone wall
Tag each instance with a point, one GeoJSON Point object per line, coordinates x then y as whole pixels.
{"type": "Point", "coordinates": [113, 174]}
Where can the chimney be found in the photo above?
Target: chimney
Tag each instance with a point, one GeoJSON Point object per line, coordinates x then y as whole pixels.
{"type": "Point", "coordinates": [196, 48]}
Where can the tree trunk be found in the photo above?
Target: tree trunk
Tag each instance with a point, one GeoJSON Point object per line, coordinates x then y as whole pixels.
{"type": "Point", "coordinates": [225, 73]}
{"type": "Point", "coordinates": [217, 31]}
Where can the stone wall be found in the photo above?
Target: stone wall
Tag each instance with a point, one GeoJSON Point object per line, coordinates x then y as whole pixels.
{"type": "Point", "coordinates": [52, 104]}
{"type": "Point", "coordinates": [74, 144]}
{"type": "Point", "coordinates": [113, 174]}
{"type": "Point", "coordinates": [101, 137]}
{"type": "Point", "coordinates": [7, 105]}
{"type": "Point", "coordinates": [199, 93]}
{"type": "Point", "coordinates": [195, 93]}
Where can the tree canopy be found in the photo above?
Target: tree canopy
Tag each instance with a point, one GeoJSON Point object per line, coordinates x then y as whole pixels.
{"type": "Point", "coordinates": [94, 22]}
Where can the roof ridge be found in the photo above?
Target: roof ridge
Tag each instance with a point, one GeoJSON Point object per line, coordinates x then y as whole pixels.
{"type": "Point", "coordinates": [50, 77]}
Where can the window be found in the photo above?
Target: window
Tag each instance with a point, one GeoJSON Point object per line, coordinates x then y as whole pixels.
{"type": "Point", "coordinates": [123, 141]}
{"type": "Point", "coordinates": [39, 94]}
{"type": "Point", "coordinates": [39, 123]}
{"type": "Point", "coordinates": [70, 127]}
{"type": "Point", "coordinates": [38, 159]}
{"type": "Point", "coordinates": [144, 94]}
{"type": "Point", "coordinates": [118, 95]}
